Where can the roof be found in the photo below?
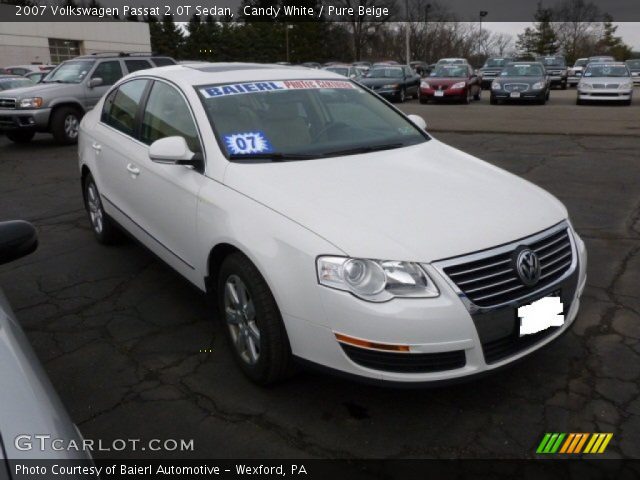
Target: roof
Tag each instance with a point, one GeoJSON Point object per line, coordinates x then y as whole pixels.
{"type": "Point", "coordinates": [210, 73]}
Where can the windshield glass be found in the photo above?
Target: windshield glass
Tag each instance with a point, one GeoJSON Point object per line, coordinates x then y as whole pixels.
{"type": "Point", "coordinates": [495, 62]}
{"type": "Point", "coordinates": [385, 72]}
{"type": "Point", "coordinates": [299, 119]}
{"type": "Point", "coordinates": [635, 64]}
{"type": "Point", "coordinates": [606, 71]}
{"type": "Point", "coordinates": [522, 70]}
{"type": "Point", "coordinates": [450, 71]}
{"type": "Point", "coordinates": [344, 71]}
{"type": "Point", "coordinates": [552, 61]}
{"type": "Point", "coordinates": [450, 61]}
{"type": "Point", "coordinates": [581, 62]}
{"type": "Point", "coordinates": [72, 71]}
{"type": "Point", "coordinates": [9, 83]}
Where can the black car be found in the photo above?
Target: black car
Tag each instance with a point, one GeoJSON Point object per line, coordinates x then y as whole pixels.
{"type": "Point", "coordinates": [395, 82]}
{"type": "Point", "coordinates": [557, 70]}
{"type": "Point", "coordinates": [491, 69]}
{"type": "Point", "coordinates": [521, 81]}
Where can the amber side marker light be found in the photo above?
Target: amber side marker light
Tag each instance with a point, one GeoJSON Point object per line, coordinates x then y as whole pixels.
{"type": "Point", "coordinates": [358, 342]}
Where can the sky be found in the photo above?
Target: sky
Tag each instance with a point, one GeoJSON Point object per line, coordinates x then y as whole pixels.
{"type": "Point", "coordinates": [629, 31]}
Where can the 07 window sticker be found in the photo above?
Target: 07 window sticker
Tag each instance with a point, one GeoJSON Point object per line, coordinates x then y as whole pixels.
{"type": "Point", "coordinates": [247, 143]}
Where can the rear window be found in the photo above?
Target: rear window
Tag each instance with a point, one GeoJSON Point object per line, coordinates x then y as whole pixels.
{"type": "Point", "coordinates": [163, 61]}
{"type": "Point", "coordinates": [135, 65]}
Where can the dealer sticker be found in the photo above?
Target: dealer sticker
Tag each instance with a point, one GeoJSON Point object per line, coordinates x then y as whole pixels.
{"type": "Point", "coordinates": [254, 87]}
{"type": "Point", "coordinates": [247, 143]}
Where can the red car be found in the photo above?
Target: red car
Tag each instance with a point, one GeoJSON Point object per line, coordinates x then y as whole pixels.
{"type": "Point", "coordinates": [451, 81]}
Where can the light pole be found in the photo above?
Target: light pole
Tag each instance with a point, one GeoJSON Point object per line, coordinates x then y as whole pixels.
{"type": "Point", "coordinates": [407, 25]}
{"type": "Point", "coordinates": [286, 37]}
{"type": "Point", "coordinates": [483, 13]}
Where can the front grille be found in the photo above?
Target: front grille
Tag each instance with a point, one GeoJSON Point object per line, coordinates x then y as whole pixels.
{"type": "Point", "coordinates": [405, 362]}
{"type": "Point", "coordinates": [504, 347]}
{"type": "Point", "coordinates": [493, 280]}
{"type": "Point", "coordinates": [610, 86]}
{"type": "Point", "coordinates": [7, 103]}
{"type": "Point", "coordinates": [516, 87]}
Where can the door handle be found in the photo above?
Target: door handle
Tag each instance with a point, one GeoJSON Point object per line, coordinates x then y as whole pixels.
{"type": "Point", "coordinates": [96, 146]}
{"type": "Point", "coordinates": [133, 170]}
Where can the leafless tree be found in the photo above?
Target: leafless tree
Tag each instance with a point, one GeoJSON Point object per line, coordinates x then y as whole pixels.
{"type": "Point", "coordinates": [577, 27]}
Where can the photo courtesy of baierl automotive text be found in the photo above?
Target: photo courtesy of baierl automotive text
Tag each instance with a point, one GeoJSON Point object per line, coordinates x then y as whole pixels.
{"type": "Point", "coordinates": [348, 239]}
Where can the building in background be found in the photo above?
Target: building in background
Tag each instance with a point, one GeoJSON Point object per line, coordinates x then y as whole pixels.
{"type": "Point", "coordinates": [54, 42]}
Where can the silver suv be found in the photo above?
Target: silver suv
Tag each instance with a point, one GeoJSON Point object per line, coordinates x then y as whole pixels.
{"type": "Point", "coordinates": [57, 104]}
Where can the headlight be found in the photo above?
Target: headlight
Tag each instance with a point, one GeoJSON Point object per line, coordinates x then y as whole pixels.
{"type": "Point", "coordinates": [496, 86]}
{"type": "Point", "coordinates": [391, 85]}
{"type": "Point", "coordinates": [625, 86]}
{"type": "Point", "coordinates": [425, 85]}
{"type": "Point", "coordinates": [584, 86]}
{"type": "Point", "coordinates": [538, 86]}
{"type": "Point", "coordinates": [375, 280]}
{"type": "Point", "coordinates": [34, 102]}
{"type": "Point", "coordinates": [458, 85]}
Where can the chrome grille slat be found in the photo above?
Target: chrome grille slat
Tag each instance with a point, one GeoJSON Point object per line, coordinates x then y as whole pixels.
{"type": "Point", "coordinates": [489, 278]}
{"type": "Point", "coordinates": [553, 262]}
{"type": "Point", "coordinates": [496, 284]}
{"type": "Point", "coordinates": [7, 103]}
{"type": "Point", "coordinates": [502, 272]}
{"type": "Point", "coordinates": [484, 267]}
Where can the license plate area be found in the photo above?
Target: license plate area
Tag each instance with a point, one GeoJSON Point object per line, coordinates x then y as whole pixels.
{"type": "Point", "coordinates": [515, 95]}
{"type": "Point", "coordinates": [439, 93]}
{"type": "Point", "coordinates": [541, 314]}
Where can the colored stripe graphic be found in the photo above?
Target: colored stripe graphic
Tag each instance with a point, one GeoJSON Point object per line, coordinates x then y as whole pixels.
{"type": "Point", "coordinates": [573, 443]}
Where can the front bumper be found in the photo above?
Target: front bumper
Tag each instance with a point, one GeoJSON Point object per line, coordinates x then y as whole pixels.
{"type": "Point", "coordinates": [37, 120]}
{"type": "Point", "coordinates": [529, 95]}
{"type": "Point", "coordinates": [636, 78]}
{"type": "Point", "coordinates": [558, 79]}
{"type": "Point", "coordinates": [605, 95]}
{"type": "Point", "coordinates": [451, 93]}
{"type": "Point", "coordinates": [445, 337]}
{"type": "Point", "coordinates": [386, 92]}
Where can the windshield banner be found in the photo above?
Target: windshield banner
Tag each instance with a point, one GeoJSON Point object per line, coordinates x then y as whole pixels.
{"type": "Point", "coordinates": [254, 87]}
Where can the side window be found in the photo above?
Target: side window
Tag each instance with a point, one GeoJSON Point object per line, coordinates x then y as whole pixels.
{"type": "Point", "coordinates": [110, 72]}
{"type": "Point", "coordinates": [167, 115]}
{"type": "Point", "coordinates": [135, 65]}
{"type": "Point", "coordinates": [121, 106]}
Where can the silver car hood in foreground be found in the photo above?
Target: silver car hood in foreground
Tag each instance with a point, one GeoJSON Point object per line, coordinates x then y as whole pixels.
{"type": "Point", "coordinates": [29, 405]}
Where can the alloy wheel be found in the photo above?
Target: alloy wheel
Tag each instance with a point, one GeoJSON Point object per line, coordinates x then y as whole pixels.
{"type": "Point", "coordinates": [95, 208]}
{"type": "Point", "coordinates": [240, 315]}
{"type": "Point", "coordinates": [71, 125]}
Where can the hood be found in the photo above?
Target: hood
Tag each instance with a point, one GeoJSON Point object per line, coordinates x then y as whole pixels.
{"type": "Point", "coordinates": [527, 80]}
{"type": "Point", "coordinates": [444, 81]}
{"type": "Point", "coordinates": [43, 89]}
{"type": "Point", "coordinates": [420, 203]}
{"type": "Point", "coordinates": [370, 82]}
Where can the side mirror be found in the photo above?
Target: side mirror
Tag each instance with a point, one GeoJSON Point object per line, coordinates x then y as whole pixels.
{"type": "Point", "coordinates": [17, 239]}
{"type": "Point", "coordinates": [174, 151]}
{"type": "Point", "coordinates": [95, 82]}
{"type": "Point", "coordinates": [418, 121]}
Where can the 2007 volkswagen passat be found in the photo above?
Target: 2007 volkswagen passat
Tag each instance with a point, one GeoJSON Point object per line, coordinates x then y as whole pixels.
{"type": "Point", "coordinates": [329, 227]}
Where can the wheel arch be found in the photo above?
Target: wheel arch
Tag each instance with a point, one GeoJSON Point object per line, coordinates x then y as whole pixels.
{"type": "Point", "coordinates": [66, 103]}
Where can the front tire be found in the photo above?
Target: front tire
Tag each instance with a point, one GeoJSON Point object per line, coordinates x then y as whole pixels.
{"type": "Point", "coordinates": [20, 137]}
{"type": "Point", "coordinates": [402, 95]}
{"type": "Point", "coordinates": [253, 323]}
{"type": "Point", "coordinates": [65, 125]}
{"type": "Point", "coordinates": [476, 97]}
{"type": "Point", "coordinates": [104, 229]}
{"type": "Point", "coordinates": [493, 100]}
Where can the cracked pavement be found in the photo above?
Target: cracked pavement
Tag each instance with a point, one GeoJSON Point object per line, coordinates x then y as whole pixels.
{"type": "Point", "coordinates": [119, 332]}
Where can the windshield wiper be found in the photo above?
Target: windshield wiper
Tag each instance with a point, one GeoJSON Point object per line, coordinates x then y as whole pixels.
{"type": "Point", "coordinates": [274, 157]}
{"type": "Point", "coordinates": [367, 149]}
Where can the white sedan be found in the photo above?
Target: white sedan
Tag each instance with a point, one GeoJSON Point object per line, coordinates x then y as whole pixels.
{"type": "Point", "coordinates": [330, 229]}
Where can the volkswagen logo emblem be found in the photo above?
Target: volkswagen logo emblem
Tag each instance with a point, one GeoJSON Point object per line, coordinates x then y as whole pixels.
{"type": "Point", "coordinates": [528, 267]}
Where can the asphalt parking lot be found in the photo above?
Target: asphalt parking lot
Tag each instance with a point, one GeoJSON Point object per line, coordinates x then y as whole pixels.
{"type": "Point", "coordinates": [120, 334]}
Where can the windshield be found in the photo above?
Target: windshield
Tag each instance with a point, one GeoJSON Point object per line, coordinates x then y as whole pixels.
{"type": "Point", "coordinates": [606, 71]}
{"type": "Point", "coordinates": [450, 71]}
{"type": "Point", "coordinates": [385, 72]}
{"type": "Point", "coordinates": [635, 64]}
{"type": "Point", "coordinates": [344, 71]}
{"type": "Point", "coordinates": [451, 61]}
{"type": "Point", "coordinates": [302, 119]}
{"type": "Point", "coordinates": [552, 61]}
{"type": "Point", "coordinates": [495, 62]}
{"type": "Point", "coordinates": [9, 83]}
{"type": "Point", "coordinates": [72, 71]}
{"type": "Point", "coordinates": [522, 70]}
{"type": "Point", "coordinates": [581, 62]}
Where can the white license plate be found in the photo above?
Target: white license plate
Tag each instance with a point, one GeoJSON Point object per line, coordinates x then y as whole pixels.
{"type": "Point", "coordinates": [439, 93]}
{"type": "Point", "coordinates": [515, 95]}
{"type": "Point", "coordinates": [540, 315]}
